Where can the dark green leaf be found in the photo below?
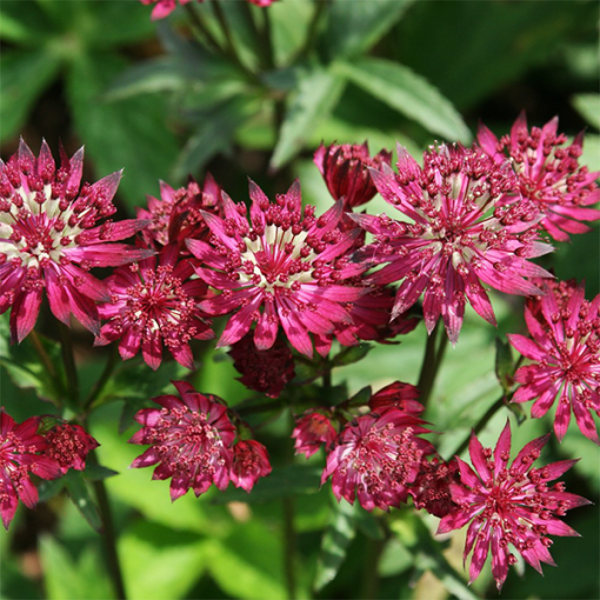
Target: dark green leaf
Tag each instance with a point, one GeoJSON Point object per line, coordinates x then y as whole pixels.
{"type": "Point", "coordinates": [132, 134]}
{"type": "Point", "coordinates": [95, 472]}
{"type": "Point", "coordinates": [361, 397]}
{"type": "Point", "coordinates": [504, 366]}
{"type": "Point", "coordinates": [25, 74]}
{"type": "Point", "coordinates": [335, 542]}
{"type": "Point", "coordinates": [318, 92]}
{"type": "Point", "coordinates": [282, 482]}
{"type": "Point", "coordinates": [351, 354]}
{"type": "Point", "coordinates": [369, 524]}
{"type": "Point", "coordinates": [409, 93]}
{"type": "Point", "coordinates": [353, 27]}
{"type": "Point", "coordinates": [27, 27]}
{"type": "Point", "coordinates": [48, 489]}
{"type": "Point", "coordinates": [82, 499]}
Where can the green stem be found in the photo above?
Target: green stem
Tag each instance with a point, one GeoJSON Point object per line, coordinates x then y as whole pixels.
{"type": "Point", "coordinates": [313, 29]}
{"type": "Point", "coordinates": [262, 43]}
{"type": "Point", "coordinates": [109, 367]}
{"type": "Point", "coordinates": [371, 576]}
{"type": "Point", "coordinates": [432, 361]}
{"type": "Point", "coordinates": [41, 352]}
{"type": "Point", "coordinates": [206, 35]}
{"type": "Point", "coordinates": [69, 363]}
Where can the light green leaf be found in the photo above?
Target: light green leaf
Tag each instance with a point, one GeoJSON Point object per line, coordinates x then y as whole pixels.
{"type": "Point", "coordinates": [335, 542]}
{"type": "Point", "coordinates": [25, 74]}
{"type": "Point", "coordinates": [504, 364]}
{"type": "Point", "coordinates": [82, 499]}
{"type": "Point", "coordinates": [318, 92]}
{"type": "Point", "coordinates": [588, 106]}
{"type": "Point", "coordinates": [355, 25]}
{"type": "Point", "coordinates": [132, 134]}
{"type": "Point", "coordinates": [27, 27]}
{"type": "Point", "coordinates": [409, 93]}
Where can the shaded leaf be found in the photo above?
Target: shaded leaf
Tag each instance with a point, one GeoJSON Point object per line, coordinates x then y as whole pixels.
{"type": "Point", "coordinates": [351, 354]}
{"type": "Point", "coordinates": [27, 27]}
{"type": "Point", "coordinates": [95, 472]}
{"type": "Point", "coordinates": [504, 365]}
{"type": "Point", "coordinates": [48, 489]}
{"type": "Point", "coordinates": [588, 106]}
{"type": "Point", "coordinates": [82, 499]}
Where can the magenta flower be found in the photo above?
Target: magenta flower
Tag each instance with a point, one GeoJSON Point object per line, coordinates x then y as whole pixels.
{"type": "Point", "coordinates": [284, 269]}
{"type": "Point", "coordinates": [509, 506]}
{"type": "Point", "coordinates": [565, 351]}
{"type": "Point", "coordinates": [154, 304]}
{"type": "Point", "coordinates": [266, 371]}
{"type": "Point", "coordinates": [345, 170]}
{"type": "Point", "coordinates": [431, 488]}
{"type": "Point", "coordinates": [49, 239]}
{"type": "Point", "coordinates": [20, 448]}
{"type": "Point", "coordinates": [401, 395]}
{"type": "Point", "coordinates": [376, 457]}
{"type": "Point", "coordinates": [177, 215]}
{"type": "Point", "coordinates": [69, 446]}
{"type": "Point", "coordinates": [190, 440]}
{"type": "Point", "coordinates": [461, 235]}
{"type": "Point", "coordinates": [164, 8]}
{"type": "Point", "coordinates": [548, 174]}
{"type": "Point", "coordinates": [250, 462]}
{"type": "Point", "coordinates": [312, 431]}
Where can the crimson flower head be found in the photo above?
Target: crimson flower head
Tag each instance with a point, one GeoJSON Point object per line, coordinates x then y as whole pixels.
{"type": "Point", "coordinates": [345, 170]}
{"type": "Point", "coordinates": [312, 430]}
{"type": "Point", "coordinates": [21, 453]}
{"type": "Point", "coordinates": [376, 457]}
{"type": "Point", "coordinates": [509, 506]}
{"type": "Point", "coordinates": [399, 394]}
{"type": "Point", "coordinates": [266, 371]}
{"type": "Point", "coordinates": [460, 235]}
{"type": "Point", "coordinates": [190, 441]}
{"type": "Point", "coordinates": [153, 304]}
{"type": "Point", "coordinates": [548, 174]}
{"type": "Point", "coordinates": [283, 269]}
{"type": "Point", "coordinates": [69, 446]}
{"type": "Point", "coordinates": [565, 352]}
{"type": "Point", "coordinates": [50, 238]}
{"type": "Point", "coordinates": [176, 215]}
{"type": "Point", "coordinates": [163, 8]}
{"type": "Point", "coordinates": [431, 488]}
{"type": "Point", "coordinates": [250, 463]}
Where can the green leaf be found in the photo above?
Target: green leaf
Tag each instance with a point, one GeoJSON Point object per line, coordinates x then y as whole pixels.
{"type": "Point", "coordinates": [48, 489]}
{"type": "Point", "coordinates": [282, 482]}
{"type": "Point", "coordinates": [351, 354]}
{"type": "Point", "coordinates": [95, 472]}
{"type": "Point", "coordinates": [353, 27]}
{"type": "Point", "coordinates": [318, 92]}
{"type": "Point", "coordinates": [82, 499]}
{"type": "Point", "coordinates": [588, 106]}
{"type": "Point", "coordinates": [27, 27]}
{"type": "Point", "coordinates": [334, 544]}
{"type": "Point", "coordinates": [132, 134]}
{"type": "Point", "coordinates": [504, 365]}
{"type": "Point", "coordinates": [409, 93]}
{"type": "Point", "coordinates": [25, 74]}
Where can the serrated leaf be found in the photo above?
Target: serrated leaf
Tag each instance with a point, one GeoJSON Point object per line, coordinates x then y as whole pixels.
{"type": "Point", "coordinates": [317, 94]}
{"type": "Point", "coordinates": [25, 74]}
{"type": "Point", "coordinates": [353, 27]}
{"type": "Point", "coordinates": [335, 542]}
{"type": "Point", "coordinates": [282, 482]}
{"type": "Point", "coordinates": [82, 499]}
{"type": "Point", "coordinates": [588, 106]}
{"type": "Point", "coordinates": [407, 92]}
{"type": "Point", "coordinates": [130, 134]}
{"type": "Point", "coordinates": [504, 365]}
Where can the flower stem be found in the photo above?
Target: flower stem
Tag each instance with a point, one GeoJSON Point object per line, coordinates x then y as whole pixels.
{"type": "Point", "coordinates": [371, 576]}
{"type": "Point", "coordinates": [432, 361]}
{"type": "Point", "coordinates": [104, 378]}
{"type": "Point", "coordinates": [43, 356]}
{"type": "Point", "coordinates": [313, 29]}
{"type": "Point", "coordinates": [69, 364]}
{"type": "Point", "coordinates": [289, 538]}
{"type": "Point", "coordinates": [206, 35]}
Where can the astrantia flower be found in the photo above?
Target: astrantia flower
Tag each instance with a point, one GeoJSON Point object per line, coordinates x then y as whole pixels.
{"type": "Point", "coordinates": [250, 462]}
{"type": "Point", "coordinates": [20, 448]}
{"type": "Point", "coordinates": [312, 431]}
{"type": "Point", "coordinates": [154, 303]}
{"type": "Point", "coordinates": [565, 351]}
{"type": "Point", "coordinates": [431, 489]}
{"type": "Point", "coordinates": [176, 216]}
{"type": "Point", "coordinates": [49, 239]}
{"type": "Point", "coordinates": [284, 269]}
{"type": "Point", "coordinates": [401, 395]}
{"type": "Point", "coordinates": [190, 440]}
{"type": "Point", "coordinates": [376, 457]}
{"type": "Point", "coordinates": [460, 236]}
{"type": "Point", "coordinates": [548, 174]}
{"type": "Point", "coordinates": [345, 170]}
{"type": "Point", "coordinates": [164, 8]}
{"type": "Point", "coordinates": [266, 371]}
{"type": "Point", "coordinates": [69, 446]}
{"type": "Point", "coordinates": [509, 506]}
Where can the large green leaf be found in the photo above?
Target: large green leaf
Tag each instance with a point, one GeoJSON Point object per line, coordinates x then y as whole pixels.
{"type": "Point", "coordinates": [131, 134]}
{"type": "Point", "coordinates": [409, 93]}
{"type": "Point", "coordinates": [354, 26]}
{"type": "Point", "coordinates": [25, 74]}
{"type": "Point", "coordinates": [318, 92]}
{"type": "Point", "coordinates": [26, 26]}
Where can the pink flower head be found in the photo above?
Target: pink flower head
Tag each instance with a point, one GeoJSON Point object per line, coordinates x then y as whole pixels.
{"type": "Point", "coordinates": [431, 489]}
{"type": "Point", "coordinates": [164, 8]}
{"type": "Point", "coordinates": [154, 303]}
{"type": "Point", "coordinates": [176, 216]}
{"type": "Point", "coordinates": [345, 170]}
{"type": "Point", "coordinates": [69, 446]}
{"type": "Point", "coordinates": [20, 448]}
{"type": "Point", "coordinates": [461, 235]}
{"type": "Point", "coordinates": [190, 439]}
{"type": "Point", "coordinates": [401, 395]}
{"type": "Point", "coordinates": [285, 268]}
{"type": "Point", "coordinates": [250, 462]}
{"type": "Point", "coordinates": [262, 3]}
{"type": "Point", "coordinates": [376, 457]}
{"type": "Point", "coordinates": [509, 506]}
{"type": "Point", "coordinates": [548, 174]}
{"type": "Point", "coordinates": [312, 430]}
{"type": "Point", "coordinates": [266, 371]}
{"type": "Point", "coordinates": [49, 239]}
{"type": "Point", "coordinates": [565, 355]}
